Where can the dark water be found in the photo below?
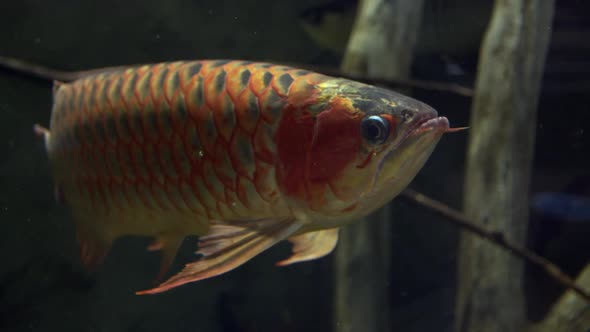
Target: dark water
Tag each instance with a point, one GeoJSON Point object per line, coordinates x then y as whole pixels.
{"type": "Point", "coordinates": [43, 286]}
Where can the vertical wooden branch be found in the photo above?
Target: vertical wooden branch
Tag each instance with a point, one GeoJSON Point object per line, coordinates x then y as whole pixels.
{"type": "Point", "coordinates": [383, 38]}
{"type": "Point", "coordinates": [490, 296]}
{"type": "Point", "coordinates": [381, 45]}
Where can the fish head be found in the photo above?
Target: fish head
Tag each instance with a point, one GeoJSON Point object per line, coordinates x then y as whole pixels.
{"type": "Point", "coordinates": [358, 146]}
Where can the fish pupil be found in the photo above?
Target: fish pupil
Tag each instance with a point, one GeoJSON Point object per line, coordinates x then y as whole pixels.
{"type": "Point", "coordinates": [374, 131]}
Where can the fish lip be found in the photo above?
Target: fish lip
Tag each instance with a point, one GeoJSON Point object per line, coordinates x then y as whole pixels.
{"type": "Point", "coordinates": [439, 123]}
{"type": "Point", "coordinates": [427, 123]}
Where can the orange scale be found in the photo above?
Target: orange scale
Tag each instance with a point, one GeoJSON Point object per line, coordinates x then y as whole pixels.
{"type": "Point", "coordinates": [192, 143]}
{"type": "Point", "coordinates": [194, 96]}
{"type": "Point", "coordinates": [271, 105]}
{"type": "Point", "coordinates": [214, 185]}
{"type": "Point", "coordinates": [201, 191]}
{"type": "Point", "coordinates": [242, 154]}
{"type": "Point", "coordinates": [206, 129]}
{"type": "Point", "coordinates": [234, 203]}
{"type": "Point", "coordinates": [159, 196]}
{"type": "Point", "coordinates": [142, 86]}
{"type": "Point", "coordinates": [247, 110]}
{"type": "Point", "coordinates": [214, 85]}
{"type": "Point", "coordinates": [179, 114]}
{"type": "Point", "coordinates": [224, 169]}
{"type": "Point", "coordinates": [156, 84]}
{"type": "Point", "coordinates": [264, 181]}
{"type": "Point", "coordinates": [224, 116]}
{"type": "Point", "coordinates": [164, 155]}
{"type": "Point", "coordinates": [264, 144]}
{"type": "Point", "coordinates": [190, 200]}
{"type": "Point", "coordinates": [237, 81]}
{"type": "Point", "coordinates": [142, 191]}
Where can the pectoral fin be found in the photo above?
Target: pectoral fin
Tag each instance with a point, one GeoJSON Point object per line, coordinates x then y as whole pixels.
{"type": "Point", "coordinates": [229, 245]}
{"type": "Point", "coordinates": [312, 245]}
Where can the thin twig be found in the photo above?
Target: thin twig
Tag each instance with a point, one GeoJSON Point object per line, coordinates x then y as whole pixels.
{"type": "Point", "coordinates": [36, 71]}
{"type": "Point", "coordinates": [43, 73]}
{"type": "Point", "coordinates": [389, 82]}
{"type": "Point", "coordinates": [48, 74]}
{"type": "Point", "coordinates": [459, 219]}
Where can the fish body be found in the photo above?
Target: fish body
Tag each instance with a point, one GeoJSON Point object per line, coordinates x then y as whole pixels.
{"type": "Point", "coordinates": [330, 24]}
{"type": "Point", "coordinates": [242, 154]}
{"type": "Point", "coordinates": [564, 206]}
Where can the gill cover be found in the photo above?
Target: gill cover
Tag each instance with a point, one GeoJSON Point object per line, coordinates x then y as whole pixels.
{"type": "Point", "coordinates": [331, 145]}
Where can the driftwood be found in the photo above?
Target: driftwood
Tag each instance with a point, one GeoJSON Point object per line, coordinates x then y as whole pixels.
{"type": "Point", "coordinates": [381, 45]}
{"type": "Point", "coordinates": [490, 296]}
{"type": "Point", "coordinates": [571, 313]}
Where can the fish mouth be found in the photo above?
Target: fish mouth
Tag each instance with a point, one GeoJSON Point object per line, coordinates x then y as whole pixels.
{"type": "Point", "coordinates": [405, 159]}
{"type": "Point", "coordinates": [437, 124]}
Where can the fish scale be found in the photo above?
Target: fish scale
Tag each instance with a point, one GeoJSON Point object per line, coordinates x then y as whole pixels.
{"type": "Point", "coordinates": [242, 154]}
{"type": "Point", "coordinates": [190, 137]}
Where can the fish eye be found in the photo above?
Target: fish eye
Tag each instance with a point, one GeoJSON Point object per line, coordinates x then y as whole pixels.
{"type": "Point", "coordinates": [375, 129]}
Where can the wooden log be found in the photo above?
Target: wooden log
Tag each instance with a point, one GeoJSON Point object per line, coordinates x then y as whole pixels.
{"type": "Point", "coordinates": [380, 45]}
{"type": "Point", "coordinates": [383, 38]}
{"type": "Point", "coordinates": [570, 313]}
{"type": "Point", "coordinates": [490, 296]}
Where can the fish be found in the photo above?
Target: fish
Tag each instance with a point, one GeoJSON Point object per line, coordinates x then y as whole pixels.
{"type": "Point", "coordinates": [562, 205]}
{"type": "Point", "coordinates": [241, 154]}
{"type": "Point", "coordinates": [330, 23]}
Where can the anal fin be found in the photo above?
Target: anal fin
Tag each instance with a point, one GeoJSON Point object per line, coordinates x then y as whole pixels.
{"type": "Point", "coordinates": [168, 247]}
{"type": "Point", "coordinates": [227, 246]}
{"type": "Point", "coordinates": [312, 245]}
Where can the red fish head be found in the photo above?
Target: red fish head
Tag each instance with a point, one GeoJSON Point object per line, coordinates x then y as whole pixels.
{"type": "Point", "coordinates": [349, 148]}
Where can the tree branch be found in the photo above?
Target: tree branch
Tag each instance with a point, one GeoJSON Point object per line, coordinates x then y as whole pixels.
{"type": "Point", "coordinates": [396, 82]}
{"type": "Point", "coordinates": [27, 69]}
{"type": "Point", "coordinates": [459, 219]}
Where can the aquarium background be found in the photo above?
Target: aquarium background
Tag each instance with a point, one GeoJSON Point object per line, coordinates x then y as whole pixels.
{"type": "Point", "coordinates": [43, 286]}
